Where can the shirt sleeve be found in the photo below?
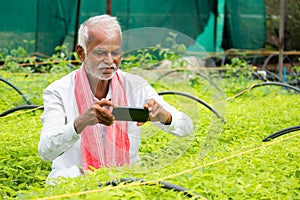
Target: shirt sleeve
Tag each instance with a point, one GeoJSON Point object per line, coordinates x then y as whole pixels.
{"type": "Point", "coordinates": [57, 135]}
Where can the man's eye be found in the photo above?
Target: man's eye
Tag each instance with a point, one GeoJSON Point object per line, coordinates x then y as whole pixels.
{"type": "Point", "coordinates": [100, 53]}
{"type": "Point", "coordinates": [104, 53]}
{"type": "Point", "coordinates": [115, 53]}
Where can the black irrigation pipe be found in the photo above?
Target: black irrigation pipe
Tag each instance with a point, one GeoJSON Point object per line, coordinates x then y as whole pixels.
{"type": "Point", "coordinates": [269, 83]}
{"type": "Point", "coordinates": [24, 107]}
{"type": "Point", "coordinates": [273, 55]}
{"type": "Point", "coordinates": [182, 70]}
{"type": "Point", "coordinates": [281, 132]}
{"type": "Point", "coordinates": [196, 99]}
{"type": "Point", "coordinates": [162, 184]}
{"type": "Point", "coordinates": [15, 88]}
{"type": "Point", "coordinates": [273, 75]}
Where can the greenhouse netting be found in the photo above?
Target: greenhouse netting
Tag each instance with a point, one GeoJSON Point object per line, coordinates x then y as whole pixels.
{"type": "Point", "coordinates": [42, 25]}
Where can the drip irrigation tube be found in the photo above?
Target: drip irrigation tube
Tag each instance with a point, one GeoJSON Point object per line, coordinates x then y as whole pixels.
{"type": "Point", "coordinates": [268, 83]}
{"type": "Point", "coordinates": [162, 184]}
{"type": "Point", "coordinates": [196, 99]}
{"type": "Point", "coordinates": [24, 107]}
{"type": "Point", "coordinates": [273, 75]}
{"type": "Point", "coordinates": [16, 89]}
{"type": "Point", "coordinates": [182, 70]}
{"type": "Point", "coordinates": [281, 132]}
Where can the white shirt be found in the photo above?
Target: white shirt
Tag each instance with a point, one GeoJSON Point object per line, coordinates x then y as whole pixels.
{"type": "Point", "coordinates": [59, 141]}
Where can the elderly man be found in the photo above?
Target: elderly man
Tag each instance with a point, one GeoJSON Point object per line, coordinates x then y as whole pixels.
{"type": "Point", "coordinates": [79, 130]}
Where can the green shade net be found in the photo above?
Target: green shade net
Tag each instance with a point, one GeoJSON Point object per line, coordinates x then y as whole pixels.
{"type": "Point", "coordinates": [42, 25]}
{"type": "Point", "coordinates": [35, 24]}
{"type": "Point", "coordinates": [244, 24]}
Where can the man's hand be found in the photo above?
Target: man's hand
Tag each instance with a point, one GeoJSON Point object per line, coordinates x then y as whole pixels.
{"type": "Point", "coordinates": [157, 113]}
{"type": "Point", "coordinates": [97, 113]}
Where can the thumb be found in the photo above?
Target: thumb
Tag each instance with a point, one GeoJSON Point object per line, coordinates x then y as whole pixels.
{"type": "Point", "coordinates": [140, 123]}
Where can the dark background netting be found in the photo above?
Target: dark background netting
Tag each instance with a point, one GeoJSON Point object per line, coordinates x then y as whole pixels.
{"type": "Point", "coordinates": [244, 24]}
{"type": "Point", "coordinates": [38, 25]}
{"type": "Point", "coordinates": [42, 25]}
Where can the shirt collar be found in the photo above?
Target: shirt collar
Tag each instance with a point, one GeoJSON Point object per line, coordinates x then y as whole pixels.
{"type": "Point", "coordinates": [108, 96]}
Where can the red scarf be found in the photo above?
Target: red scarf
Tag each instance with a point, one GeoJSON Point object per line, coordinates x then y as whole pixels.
{"type": "Point", "coordinates": [115, 150]}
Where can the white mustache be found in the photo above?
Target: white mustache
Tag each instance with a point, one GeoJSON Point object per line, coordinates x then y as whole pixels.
{"type": "Point", "coordinates": [105, 66]}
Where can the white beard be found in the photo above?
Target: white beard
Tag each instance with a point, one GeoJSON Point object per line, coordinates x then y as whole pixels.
{"type": "Point", "coordinates": [99, 71]}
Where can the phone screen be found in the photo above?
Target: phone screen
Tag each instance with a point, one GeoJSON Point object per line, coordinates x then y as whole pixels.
{"type": "Point", "coordinates": [131, 114]}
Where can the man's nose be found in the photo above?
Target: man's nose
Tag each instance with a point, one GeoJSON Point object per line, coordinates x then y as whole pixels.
{"type": "Point", "coordinates": [109, 59]}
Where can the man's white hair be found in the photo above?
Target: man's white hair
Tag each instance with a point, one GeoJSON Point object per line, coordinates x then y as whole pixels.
{"type": "Point", "coordinates": [108, 21]}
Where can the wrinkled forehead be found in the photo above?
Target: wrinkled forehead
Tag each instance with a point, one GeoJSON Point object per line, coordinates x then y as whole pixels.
{"type": "Point", "coordinates": [105, 36]}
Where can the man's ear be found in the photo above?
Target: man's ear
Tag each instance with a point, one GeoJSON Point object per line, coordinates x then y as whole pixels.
{"type": "Point", "coordinates": [80, 52]}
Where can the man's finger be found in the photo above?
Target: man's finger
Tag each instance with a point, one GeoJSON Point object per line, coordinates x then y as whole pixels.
{"type": "Point", "coordinates": [104, 102]}
{"type": "Point", "coordinates": [140, 123]}
{"type": "Point", "coordinates": [105, 122]}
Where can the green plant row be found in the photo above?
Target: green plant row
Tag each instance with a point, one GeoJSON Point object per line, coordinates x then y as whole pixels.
{"type": "Point", "coordinates": [219, 161]}
{"type": "Point", "coordinates": [232, 164]}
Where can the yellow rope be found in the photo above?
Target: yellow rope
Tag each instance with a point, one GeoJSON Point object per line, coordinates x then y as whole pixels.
{"type": "Point", "coordinates": [246, 90]}
{"type": "Point", "coordinates": [172, 175]}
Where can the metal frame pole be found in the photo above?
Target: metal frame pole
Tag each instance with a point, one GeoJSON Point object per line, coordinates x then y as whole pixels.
{"type": "Point", "coordinates": [281, 37]}
{"type": "Point", "coordinates": [108, 7]}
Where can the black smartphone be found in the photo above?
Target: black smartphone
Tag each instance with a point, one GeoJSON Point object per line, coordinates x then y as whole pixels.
{"type": "Point", "coordinates": [131, 114]}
